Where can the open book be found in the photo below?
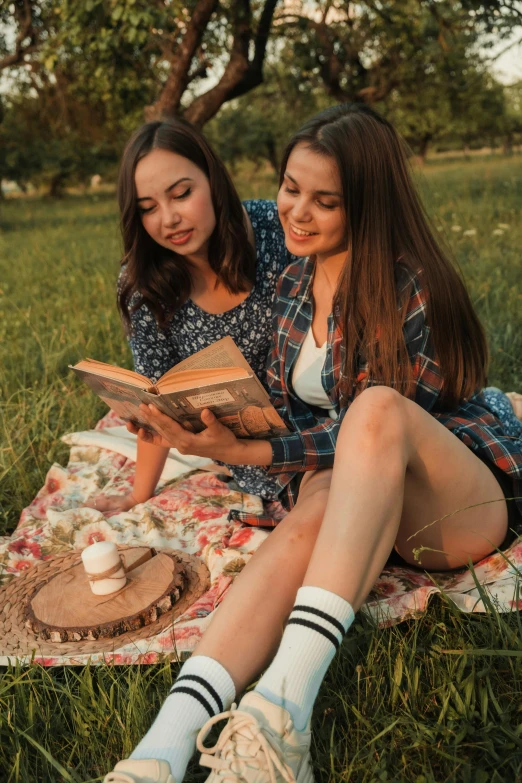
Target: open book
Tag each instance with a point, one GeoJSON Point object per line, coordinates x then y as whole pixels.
{"type": "Point", "coordinates": [218, 377]}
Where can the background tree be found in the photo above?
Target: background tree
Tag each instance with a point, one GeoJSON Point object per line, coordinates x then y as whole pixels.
{"type": "Point", "coordinates": [94, 69]}
{"type": "Point", "coordinates": [513, 116]}
{"type": "Point", "coordinates": [192, 56]}
{"type": "Point", "coordinates": [22, 27]}
{"type": "Point", "coordinates": [49, 142]}
{"type": "Point", "coordinates": [257, 126]}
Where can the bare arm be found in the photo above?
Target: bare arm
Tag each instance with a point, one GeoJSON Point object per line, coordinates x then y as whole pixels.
{"type": "Point", "coordinates": [149, 465]}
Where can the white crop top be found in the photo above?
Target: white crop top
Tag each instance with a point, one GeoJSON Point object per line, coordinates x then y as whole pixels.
{"type": "Point", "coordinates": [306, 375]}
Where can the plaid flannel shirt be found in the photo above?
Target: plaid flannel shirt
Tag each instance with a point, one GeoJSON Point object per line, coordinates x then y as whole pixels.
{"type": "Point", "coordinates": [312, 442]}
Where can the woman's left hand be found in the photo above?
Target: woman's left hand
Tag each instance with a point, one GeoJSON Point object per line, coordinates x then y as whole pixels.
{"type": "Point", "coordinates": [215, 442]}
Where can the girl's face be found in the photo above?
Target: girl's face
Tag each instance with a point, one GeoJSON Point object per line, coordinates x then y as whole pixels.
{"type": "Point", "coordinates": [175, 202]}
{"type": "Point", "coordinates": [310, 205]}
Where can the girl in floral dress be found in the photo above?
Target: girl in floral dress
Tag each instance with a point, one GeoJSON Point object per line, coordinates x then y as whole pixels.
{"type": "Point", "coordinates": [198, 265]}
{"type": "Point", "coordinates": [377, 365]}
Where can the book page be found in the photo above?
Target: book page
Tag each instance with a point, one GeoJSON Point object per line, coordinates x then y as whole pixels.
{"type": "Point", "coordinates": [192, 379]}
{"type": "Point", "coordinates": [111, 371]}
{"type": "Point", "coordinates": [223, 353]}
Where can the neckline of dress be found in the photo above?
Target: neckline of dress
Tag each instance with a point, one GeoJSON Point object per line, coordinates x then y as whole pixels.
{"type": "Point", "coordinates": [225, 312]}
{"type": "Point", "coordinates": [245, 300]}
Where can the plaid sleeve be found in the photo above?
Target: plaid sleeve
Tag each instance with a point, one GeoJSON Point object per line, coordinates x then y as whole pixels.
{"type": "Point", "coordinates": [273, 374]}
{"type": "Point", "coordinates": [427, 374]}
{"type": "Point", "coordinates": [306, 450]}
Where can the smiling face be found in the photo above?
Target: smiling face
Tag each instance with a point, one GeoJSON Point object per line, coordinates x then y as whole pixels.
{"type": "Point", "coordinates": [310, 205]}
{"type": "Point", "coordinates": [175, 202]}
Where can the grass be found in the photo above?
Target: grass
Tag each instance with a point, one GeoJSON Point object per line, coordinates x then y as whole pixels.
{"type": "Point", "coordinates": [439, 699]}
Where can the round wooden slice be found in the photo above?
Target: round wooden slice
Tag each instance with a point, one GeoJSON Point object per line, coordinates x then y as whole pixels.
{"type": "Point", "coordinates": [65, 608]}
{"type": "Point", "coordinates": [18, 640]}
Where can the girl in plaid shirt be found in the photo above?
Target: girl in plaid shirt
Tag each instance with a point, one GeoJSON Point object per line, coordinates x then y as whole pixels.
{"type": "Point", "coordinates": [392, 445]}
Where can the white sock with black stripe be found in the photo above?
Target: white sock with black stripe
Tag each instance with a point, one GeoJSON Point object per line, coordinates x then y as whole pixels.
{"type": "Point", "coordinates": [203, 689]}
{"type": "Point", "coordinates": [311, 638]}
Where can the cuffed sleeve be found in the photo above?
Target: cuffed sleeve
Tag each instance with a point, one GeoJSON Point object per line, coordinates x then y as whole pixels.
{"type": "Point", "coordinates": [310, 449]}
{"type": "Point", "coordinates": [287, 454]}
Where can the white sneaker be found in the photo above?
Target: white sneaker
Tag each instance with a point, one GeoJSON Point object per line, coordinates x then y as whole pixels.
{"type": "Point", "coordinates": [259, 744]}
{"type": "Point", "coordinates": [140, 771]}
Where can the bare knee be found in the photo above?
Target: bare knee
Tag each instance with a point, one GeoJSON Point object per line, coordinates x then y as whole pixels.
{"type": "Point", "coordinates": [378, 416]}
{"type": "Point", "coordinates": [378, 402]}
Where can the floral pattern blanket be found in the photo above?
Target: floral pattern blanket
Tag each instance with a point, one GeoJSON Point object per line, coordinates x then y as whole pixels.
{"type": "Point", "coordinates": [191, 511]}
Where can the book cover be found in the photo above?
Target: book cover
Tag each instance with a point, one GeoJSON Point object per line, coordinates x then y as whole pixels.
{"type": "Point", "coordinates": [241, 403]}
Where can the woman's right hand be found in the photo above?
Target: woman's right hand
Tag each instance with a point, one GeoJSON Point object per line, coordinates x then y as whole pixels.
{"type": "Point", "coordinates": [111, 503]}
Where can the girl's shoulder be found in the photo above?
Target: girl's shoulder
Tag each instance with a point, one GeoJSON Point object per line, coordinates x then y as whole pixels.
{"type": "Point", "coordinates": [122, 277]}
{"type": "Point", "coordinates": [412, 301]}
{"type": "Point", "coordinates": [410, 288]}
{"type": "Point", "coordinates": [269, 235]}
{"type": "Point", "coordinates": [262, 210]}
{"type": "Point", "coordinates": [268, 232]}
{"type": "Point", "coordinates": [133, 298]}
{"type": "Point", "coordinates": [407, 275]}
{"type": "Point", "coordinates": [140, 314]}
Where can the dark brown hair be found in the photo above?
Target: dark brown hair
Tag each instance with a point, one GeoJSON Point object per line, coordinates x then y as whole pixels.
{"type": "Point", "coordinates": [385, 223]}
{"type": "Point", "coordinates": [160, 277]}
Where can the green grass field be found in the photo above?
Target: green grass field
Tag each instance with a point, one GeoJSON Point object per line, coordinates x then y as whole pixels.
{"type": "Point", "coordinates": [439, 699]}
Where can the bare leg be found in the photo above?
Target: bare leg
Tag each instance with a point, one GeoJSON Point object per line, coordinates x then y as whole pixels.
{"type": "Point", "coordinates": [397, 470]}
{"type": "Point", "coordinates": [248, 626]}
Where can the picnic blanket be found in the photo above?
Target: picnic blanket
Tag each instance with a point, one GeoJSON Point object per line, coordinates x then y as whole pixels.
{"type": "Point", "coordinates": [191, 512]}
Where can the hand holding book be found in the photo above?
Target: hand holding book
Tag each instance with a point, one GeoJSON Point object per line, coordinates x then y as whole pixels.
{"type": "Point", "coordinates": [216, 441]}
{"type": "Point", "coordinates": [217, 378]}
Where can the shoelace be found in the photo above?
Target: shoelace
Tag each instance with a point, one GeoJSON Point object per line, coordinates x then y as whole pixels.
{"type": "Point", "coordinates": [242, 730]}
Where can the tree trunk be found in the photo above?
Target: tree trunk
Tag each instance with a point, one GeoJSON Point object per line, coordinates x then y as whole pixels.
{"type": "Point", "coordinates": [56, 185]}
{"type": "Point", "coordinates": [241, 75]}
{"type": "Point", "coordinates": [422, 150]}
{"type": "Point", "coordinates": [169, 100]}
{"type": "Point", "coordinates": [507, 146]}
{"type": "Point", "coordinates": [203, 108]}
{"type": "Point", "coordinates": [206, 106]}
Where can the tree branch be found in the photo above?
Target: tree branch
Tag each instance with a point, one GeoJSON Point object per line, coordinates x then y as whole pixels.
{"type": "Point", "coordinates": [331, 63]}
{"type": "Point", "coordinates": [205, 106]}
{"type": "Point", "coordinates": [24, 17]}
{"type": "Point", "coordinates": [254, 75]}
{"type": "Point", "coordinates": [169, 100]}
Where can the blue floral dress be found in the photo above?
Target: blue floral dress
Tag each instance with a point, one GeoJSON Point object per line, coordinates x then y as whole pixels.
{"type": "Point", "coordinates": [190, 329]}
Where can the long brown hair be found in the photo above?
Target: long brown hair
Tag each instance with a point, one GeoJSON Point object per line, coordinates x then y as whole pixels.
{"type": "Point", "coordinates": [385, 223]}
{"type": "Point", "coordinates": [156, 276]}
